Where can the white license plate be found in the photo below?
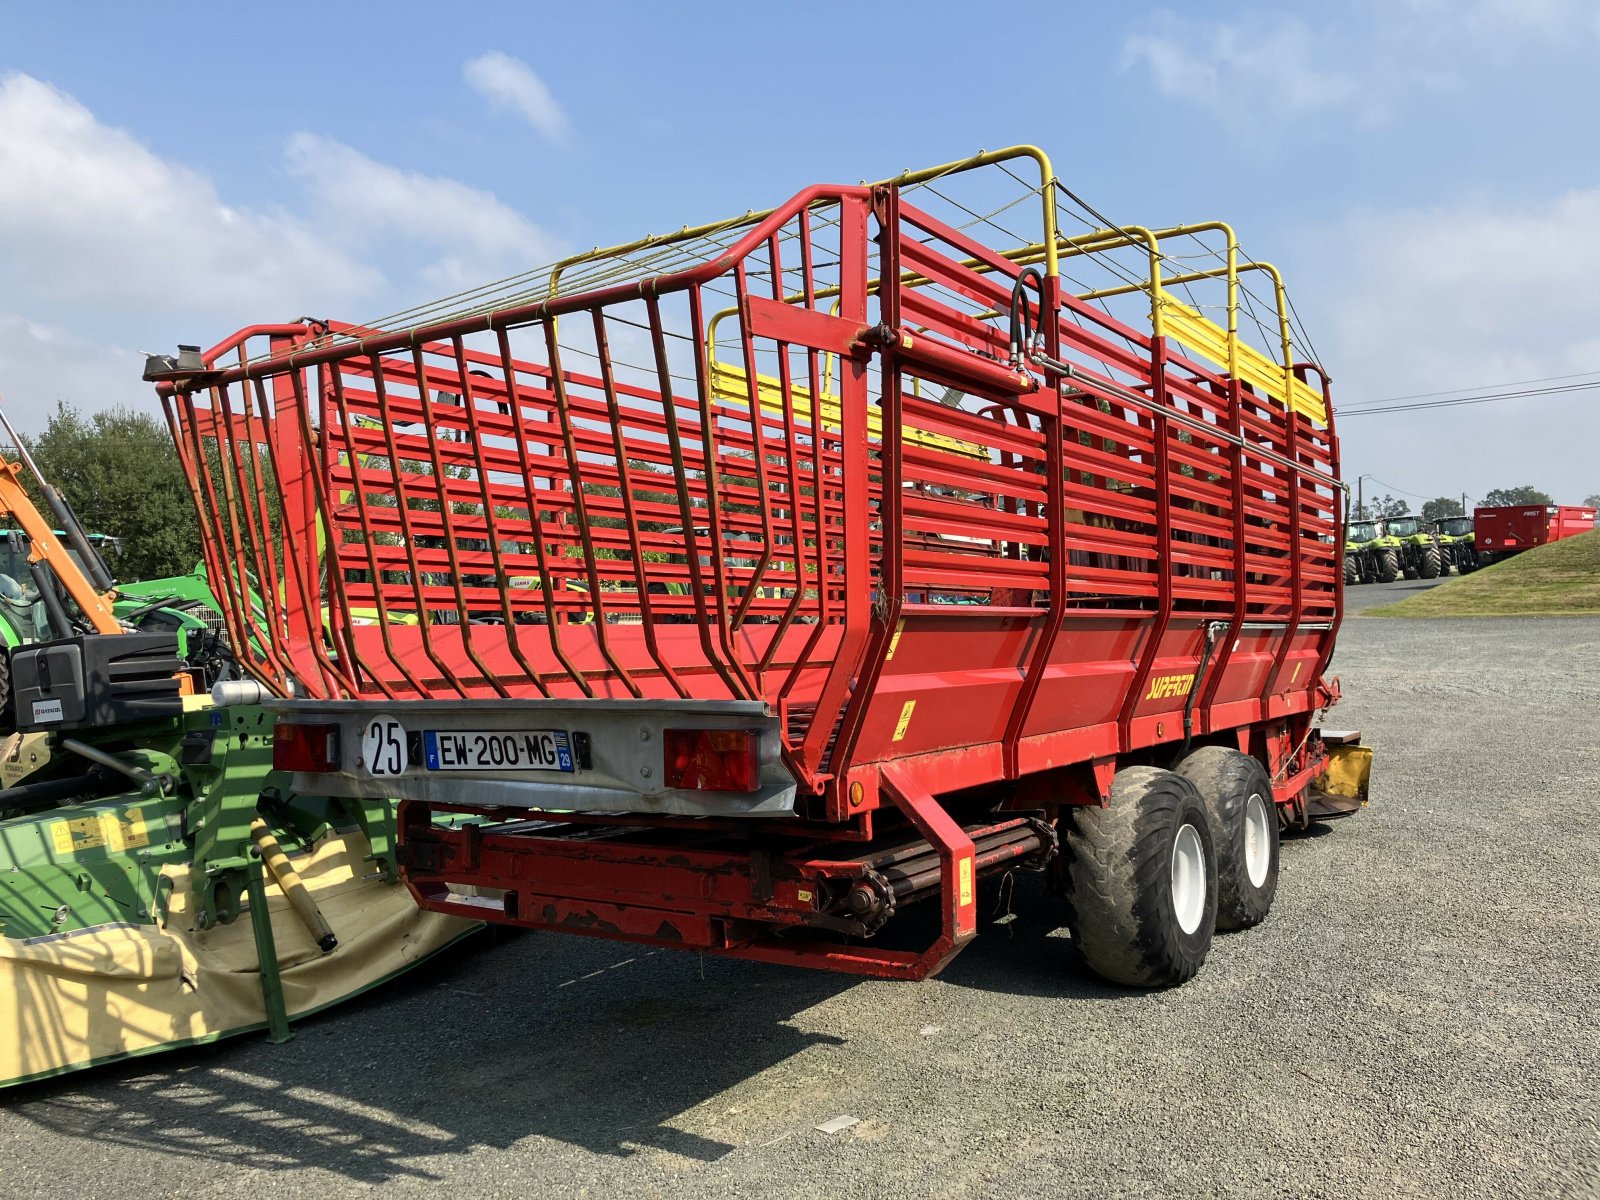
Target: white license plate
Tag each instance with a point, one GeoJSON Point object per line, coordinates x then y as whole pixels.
{"type": "Point", "coordinates": [497, 750]}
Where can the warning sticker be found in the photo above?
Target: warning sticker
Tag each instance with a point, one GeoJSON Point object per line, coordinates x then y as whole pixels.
{"type": "Point", "coordinates": [104, 829]}
{"type": "Point", "coordinates": [905, 720]}
{"type": "Point", "coordinates": [894, 642]}
{"type": "Point", "coordinates": [964, 882]}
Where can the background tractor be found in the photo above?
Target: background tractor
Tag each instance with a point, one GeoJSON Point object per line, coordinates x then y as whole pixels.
{"type": "Point", "coordinates": [1417, 549]}
{"type": "Point", "coordinates": [1457, 546]}
{"type": "Point", "coordinates": [1364, 560]}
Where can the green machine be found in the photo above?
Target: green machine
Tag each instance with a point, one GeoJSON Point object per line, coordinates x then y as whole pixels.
{"type": "Point", "coordinates": [1383, 551]}
{"type": "Point", "coordinates": [1457, 544]}
{"type": "Point", "coordinates": [1364, 560]}
{"type": "Point", "coordinates": [161, 884]}
{"type": "Point", "coordinates": [1417, 548]}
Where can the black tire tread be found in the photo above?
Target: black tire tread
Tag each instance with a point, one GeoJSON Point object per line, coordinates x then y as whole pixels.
{"type": "Point", "coordinates": [1118, 881]}
{"type": "Point", "coordinates": [1431, 562]}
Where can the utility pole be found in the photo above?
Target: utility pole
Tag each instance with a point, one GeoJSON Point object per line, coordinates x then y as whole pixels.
{"type": "Point", "coordinates": [1361, 508]}
{"type": "Point", "coordinates": [1465, 511]}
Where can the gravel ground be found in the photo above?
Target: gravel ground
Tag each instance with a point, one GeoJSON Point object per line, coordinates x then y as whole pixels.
{"type": "Point", "coordinates": [1416, 1018]}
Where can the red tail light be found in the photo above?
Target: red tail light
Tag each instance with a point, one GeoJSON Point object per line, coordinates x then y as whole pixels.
{"type": "Point", "coordinates": [310, 748]}
{"type": "Point", "coordinates": [712, 760]}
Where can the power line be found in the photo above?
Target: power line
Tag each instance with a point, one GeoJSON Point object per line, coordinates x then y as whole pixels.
{"type": "Point", "coordinates": [1486, 387]}
{"type": "Point", "coordinates": [1401, 490]}
{"type": "Point", "coordinates": [1522, 393]}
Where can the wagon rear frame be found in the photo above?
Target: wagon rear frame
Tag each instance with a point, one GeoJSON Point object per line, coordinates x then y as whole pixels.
{"type": "Point", "coordinates": [960, 539]}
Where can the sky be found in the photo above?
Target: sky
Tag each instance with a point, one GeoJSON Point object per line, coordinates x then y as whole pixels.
{"type": "Point", "coordinates": [1423, 171]}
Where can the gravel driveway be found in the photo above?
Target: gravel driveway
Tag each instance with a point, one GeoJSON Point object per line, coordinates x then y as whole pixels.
{"type": "Point", "coordinates": [1420, 1016]}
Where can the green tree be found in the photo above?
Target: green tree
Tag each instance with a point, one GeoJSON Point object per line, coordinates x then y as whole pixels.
{"type": "Point", "coordinates": [1526, 494]}
{"type": "Point", "coordinates": [1388, 506]}
{"type": "Point", "coordinates": [1592, 501]}
{"type": "Point", "coordinates": [1442, 506]}
{"type": "Point", "coordinates": [120, 471]}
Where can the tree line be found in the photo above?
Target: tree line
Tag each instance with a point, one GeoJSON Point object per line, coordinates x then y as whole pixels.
{"type": "Point", "coordinates": [120, 472]}
{"type": "Point", "coordinates": [1381, 507]}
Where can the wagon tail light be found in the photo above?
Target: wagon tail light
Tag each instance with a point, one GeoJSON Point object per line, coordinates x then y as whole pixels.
{"type": "Point", "coordinates": [712, 760]}
{"type": "Point", "coordinates": [313, 749]}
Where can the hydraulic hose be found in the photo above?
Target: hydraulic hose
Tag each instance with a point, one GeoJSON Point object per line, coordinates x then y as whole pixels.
{"type": "Point", "coordinates": [48, 793]}
{"type": "Point", "coordinates": [293, 887]}
{"type": "Point", "coordinates": [1213, 631]}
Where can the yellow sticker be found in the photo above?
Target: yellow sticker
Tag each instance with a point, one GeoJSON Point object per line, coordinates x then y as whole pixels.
{"type": "Point", "coordinates": [802, 895]}
{"type": "Point", "coordinates": [905, 720]}
{"type": "Point", "coordinates": [84, 833]}
{"type": "Point", "coordinates": [90, 833]}
{"type": "Point", "coordinates": [894, 642]}
{"type": "Point", "coordinates": [964, 881]}
{"type": "Point", "coordinates": [125, 835]}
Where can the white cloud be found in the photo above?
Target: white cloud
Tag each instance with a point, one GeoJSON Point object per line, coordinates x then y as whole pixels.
{"type": "Point", "coordinates": [41, 364]}
{"type": "Point", "coordinates": [478, 238]}
{"type": "Point", "coordinates": [1248, 70]}
{"type": "Point", "coordinates": [1497, 18]}
{"type": "Point", "coordinates": [1458, 296]}
{"type": "Point", "coordinates": [1368, 59]}
{"type": "Point", "coordinates": [93, 221]}
{"type": "Point", "coordinates": [106, 248]}
{"type": "Point", "coordinates": [509, 83]}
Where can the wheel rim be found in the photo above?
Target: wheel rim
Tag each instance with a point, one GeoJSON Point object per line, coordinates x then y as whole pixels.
{"type": "Point", "coordinates": [1188, 878]}
{"type": "Point", "coordinates": [1257, 840]}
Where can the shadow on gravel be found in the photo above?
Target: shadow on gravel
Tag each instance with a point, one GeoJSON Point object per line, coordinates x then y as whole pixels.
{"type": "Point", "coordinates": [1022, 947]}
{"type": "Point", "coordinates": [596, 1044]}
{"type": "Point", "coordinates": [429, 1068]}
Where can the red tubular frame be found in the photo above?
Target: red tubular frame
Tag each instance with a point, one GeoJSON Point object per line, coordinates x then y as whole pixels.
{"type": "Point", "coordinates": [933, 597]}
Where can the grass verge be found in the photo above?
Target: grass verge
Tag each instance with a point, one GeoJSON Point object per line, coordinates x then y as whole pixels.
{"type": "Point", "coordinates": [1561, 579]}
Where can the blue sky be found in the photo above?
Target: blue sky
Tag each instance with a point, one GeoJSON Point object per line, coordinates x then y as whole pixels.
{"type": "Point", "coordinates": [1422, 170]}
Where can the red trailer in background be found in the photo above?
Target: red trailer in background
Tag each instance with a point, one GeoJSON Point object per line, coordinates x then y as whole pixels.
{"type": "Point", "coordinates": [736, 589]}
{"type": "Point", "coordinates": [1509, 529]}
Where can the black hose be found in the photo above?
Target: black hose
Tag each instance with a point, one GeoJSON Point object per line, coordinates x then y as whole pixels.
{"type": "Point", "coordinates": [1022, 329]}
{"type": "Point", "coordinates": [48, 793]}
{"type": "Point", "coordinates": [1212, 629]}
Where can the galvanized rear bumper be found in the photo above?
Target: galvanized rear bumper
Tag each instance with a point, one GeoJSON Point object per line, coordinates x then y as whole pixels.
{"type": "Point", "coordinates": [624, 772]}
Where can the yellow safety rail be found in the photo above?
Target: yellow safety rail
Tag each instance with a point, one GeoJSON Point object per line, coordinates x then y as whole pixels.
{"type": "Point", "coordinates": [731, 383]}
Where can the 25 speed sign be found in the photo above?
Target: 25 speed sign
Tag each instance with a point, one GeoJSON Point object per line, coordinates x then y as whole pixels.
{"type": "Point", "coordinates": [383, 746]}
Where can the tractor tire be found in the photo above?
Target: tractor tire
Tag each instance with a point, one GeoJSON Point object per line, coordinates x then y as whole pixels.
{"type": "Point", "coordinates": [1244, 828]}
{"type": "Point", "coordinates": [1352, 571]}
{"type": "Point", "coordinates": [8, 720]}
{"type": "Point", "coordinates": [1429, 566]}
{"type": "Point", "coordinates": [1141, 879]}
{"type": "Point", "coordinates": [1388, 566]}
{"type": "Point", "coordinates": [1466, 561]}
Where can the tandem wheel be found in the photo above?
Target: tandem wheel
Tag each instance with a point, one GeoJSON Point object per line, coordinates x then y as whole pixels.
{"type": "Point", "coordinates": [1244, 826]}
{"type": "Point", "coordinates": [1142, 880]}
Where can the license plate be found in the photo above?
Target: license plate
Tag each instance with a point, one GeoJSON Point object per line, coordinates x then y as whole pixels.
{"type": "Point", "coordinates": [497, 750]}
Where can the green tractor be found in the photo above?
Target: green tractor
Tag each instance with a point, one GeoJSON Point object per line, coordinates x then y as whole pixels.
{"type": "Point", "coordinates": [1363, 561]}
{"type": "Point", "coordinates": [1417, 549]}
{"type": "Point", "coordinates": [1383, 551]}
{"type": "Point", "coordinates": [1457, 543]}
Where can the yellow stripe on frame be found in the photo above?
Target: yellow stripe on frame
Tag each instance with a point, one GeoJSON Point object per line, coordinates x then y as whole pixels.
{"type": "Point", "coordinates": [1209, 340]}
